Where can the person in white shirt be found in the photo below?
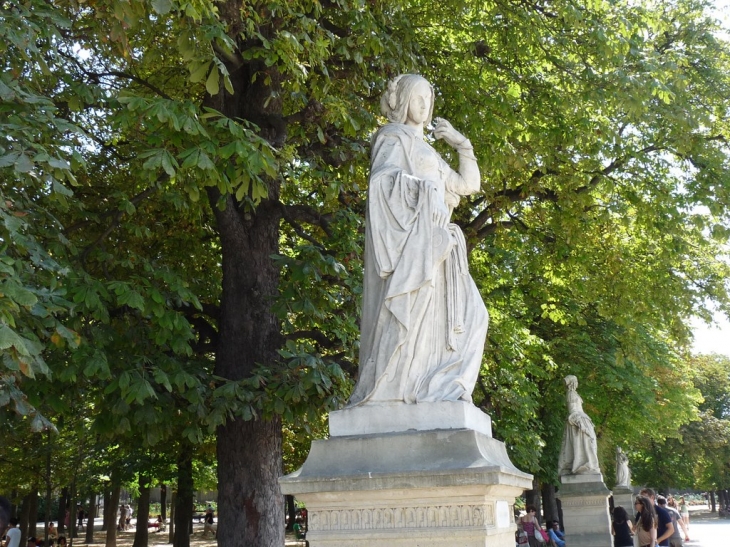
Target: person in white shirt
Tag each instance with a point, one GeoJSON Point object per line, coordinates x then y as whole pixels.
{"type": "Point", "coordinates": [12, 536]}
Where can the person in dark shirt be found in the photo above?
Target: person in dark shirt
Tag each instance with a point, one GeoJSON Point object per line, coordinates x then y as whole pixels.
{"type": "Point", "coordinates": [621, 528]}
{"type": "Point", "coordinates": [665, 528]}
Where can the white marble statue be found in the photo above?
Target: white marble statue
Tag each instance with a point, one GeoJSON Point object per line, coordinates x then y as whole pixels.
{"type": "Point", "coordinates": [423, 321]}
{"type": "Point", "coordinates": [623, 474]}
{"type": "Point", "coordinates": [579, 452]}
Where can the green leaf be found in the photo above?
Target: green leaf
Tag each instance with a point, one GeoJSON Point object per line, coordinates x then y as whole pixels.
{"type": "Point", "coordinates": [162, 6]}
{"type": "Point", "coordinates": [212, 83]}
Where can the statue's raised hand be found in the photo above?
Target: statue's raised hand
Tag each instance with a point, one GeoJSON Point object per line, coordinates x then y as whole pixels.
{"type": "Point", "coordinates": [444, 130]}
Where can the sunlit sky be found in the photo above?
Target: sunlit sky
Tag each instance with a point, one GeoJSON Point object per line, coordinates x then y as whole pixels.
{"type": "Point", "coordinates": [715, 338]}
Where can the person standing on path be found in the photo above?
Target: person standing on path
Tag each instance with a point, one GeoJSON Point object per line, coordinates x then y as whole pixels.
{"type": "Point", "coordinates": [645, 528]}
{"type": "Point", "coordinates": [621, 528]}
{"type": "Point", "coordinates": [665, 528]}
{"type": "Point", "coordinates": [12, 536]}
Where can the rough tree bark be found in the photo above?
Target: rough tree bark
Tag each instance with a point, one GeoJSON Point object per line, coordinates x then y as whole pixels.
{"type": "Point", "coordinates": [110, 516]}
{"type": "Point", "coordinates": [90, 517]}
{"type": "Point", "coordinates": [291, 511]}
{"type": "Point", "coordinates": [251, 507]}
{"type": "Point", "coordinates": [107, 503]}
{"type": "Point", "coordinates": [549, 503]}
{"type": "Point", "coordinates": [163, 502]}
{"type": "Point", "coordinates": [62, 507]}
{"type": "Point", "coordinates": [33, 512]}
{"type": "Point", "coordinates": [184, 501]}
{"type": "Point", "coordinates": [141, 533]}
{"type": "Point", "coordinates": [24, 517]}
{"type": "Point", "coordinates": [171, 533]}
{"type": "Point", "coordinates": [532, 497]}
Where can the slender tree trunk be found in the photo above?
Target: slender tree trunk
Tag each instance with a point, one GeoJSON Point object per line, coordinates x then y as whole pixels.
{"type": "Point", "coordinates": [107, 505]}
{"type": "Point", "coordinates": [291, 511]}
{"type": "Point", "coordinates": [90, 519]}
{"type": "Point", "coordinates": [49, 485]}
{"type": "Point", "coordinates": [550, 503]}
{"type": "Point", "coordinates": [171, 533]}
{"type": "Point", "coordinates": [13, 505]}
{"type": "Point", "coordinates": [110, 516]}
{"type": "Point", "coordinates": [184, 502]}
{"type": "Point", "coordinates": [712, 502]}
{"type": "Point", "coordinates": [163, 502]}
{"type": "Point", "coordinates": [532, 497]}
{"type": "Point", "coordinates": [141, 534]}
{"type": "Point", "coordinates": [33, 512]}
{"type": "Point", "coordinates": [73, 532]}
{"type": "Point", "coordinates": [24, 518]}
{"type": "Point", "coordinates": [251, 507]}
{"type": "Point", "coordinates": [62, 508]}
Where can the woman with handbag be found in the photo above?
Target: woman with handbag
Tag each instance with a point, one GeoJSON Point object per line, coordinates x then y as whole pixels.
{"type": "Point", "coordinates": [528, 524]}
{"type": "Point", "coordinates": [646, 522]}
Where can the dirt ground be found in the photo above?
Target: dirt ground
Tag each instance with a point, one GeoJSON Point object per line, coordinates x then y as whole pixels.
{"type": "Point", "coordinates": [126, 539]}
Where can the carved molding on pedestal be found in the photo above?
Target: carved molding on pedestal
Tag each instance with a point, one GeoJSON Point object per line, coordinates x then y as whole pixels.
{"type": "Point", "coordinates": [577, 501]}
{"type": "Point", "coordinates": [384, 518]}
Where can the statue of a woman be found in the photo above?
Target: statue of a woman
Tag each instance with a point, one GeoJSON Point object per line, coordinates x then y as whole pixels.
{"type": "Point", "coordinates": [579, 452]}
{"type": "Point", "coordinates": [623, 474]}
{"type": "Point", "coordinates": [423, 321]}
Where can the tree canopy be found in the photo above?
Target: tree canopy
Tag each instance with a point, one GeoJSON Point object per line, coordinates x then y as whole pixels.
{"type": "Point", "coordinates": [183, 188]}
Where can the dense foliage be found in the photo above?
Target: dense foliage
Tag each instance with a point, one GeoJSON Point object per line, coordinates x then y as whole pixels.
{"type": "Point", "coordinates": [183, 187]}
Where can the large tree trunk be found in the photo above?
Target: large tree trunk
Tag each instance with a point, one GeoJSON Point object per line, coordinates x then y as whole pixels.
{"type": "Point", "coordinates": [251, 507]}
{"type": "Point", "coordinates": [110, 515]}
{"type": "Point", "coordinates": [550, 503]}
{"type": "Point", "coordinates": [184, 502]}
{"type": "Point", "coordinates": [141, 534]}
{"type": "Point", "coordinates": [90, 517]}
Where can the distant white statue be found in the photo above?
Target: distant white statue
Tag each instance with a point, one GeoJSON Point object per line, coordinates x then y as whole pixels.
{"type": "Point", "coordinates": [623, 474]}
{"type": "Point", "coordinates": [423, 320]}
{"type": "Point", "coordinates": [579, 452]}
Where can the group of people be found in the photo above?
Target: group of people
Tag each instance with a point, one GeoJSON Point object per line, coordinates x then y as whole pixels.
{"type": "Point", "coordinates": [657, 521]}
{"type": "Point", "coordinates": [125, 517]}
{"type": "Point", "coordinates": [13, 536]}
{"type": "Point", "coordinates": [529, 531]}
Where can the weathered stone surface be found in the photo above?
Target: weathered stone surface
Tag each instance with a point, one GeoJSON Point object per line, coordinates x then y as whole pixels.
{"type": "Point", "coordinates": [624, 496]}
{"type": "Point", "coordinates": [586, 516]}
{"type": "Point", "coordinates": [409, 489]}
{"type": "Point", "coordinates": [396, 417]}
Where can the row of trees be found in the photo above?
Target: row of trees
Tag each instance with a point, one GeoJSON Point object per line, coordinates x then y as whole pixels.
{"type": "Point", "coordinates": [183, 187]}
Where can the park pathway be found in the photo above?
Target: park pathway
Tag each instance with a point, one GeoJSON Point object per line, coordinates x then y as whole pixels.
{"type": "Point", "coordinates": [708, 530]}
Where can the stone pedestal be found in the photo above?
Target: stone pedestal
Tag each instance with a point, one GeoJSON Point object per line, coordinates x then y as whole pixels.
{"type": "Point", "coordinates": [586, 516]}
{"type": "Point", "coordinates": [410, 487]}
{"type": "Point", "coordinates": [624, 496]}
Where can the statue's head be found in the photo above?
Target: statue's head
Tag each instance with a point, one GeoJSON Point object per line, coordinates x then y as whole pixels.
{"type": "Point", "coordinates": [395, 100]}
{"type": "Point", "coordinates": [571, 382]}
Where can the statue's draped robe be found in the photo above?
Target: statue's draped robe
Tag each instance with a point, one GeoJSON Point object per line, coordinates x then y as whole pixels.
{"type": "Point", "coordinates": [423, 321]}
{"type": "Point", "coordinates": [579, 451]}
